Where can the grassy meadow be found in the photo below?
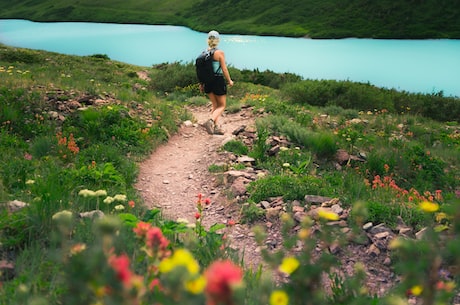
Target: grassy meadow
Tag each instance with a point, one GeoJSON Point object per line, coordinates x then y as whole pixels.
{"type": "Point", "coordinates": [408, 19]}
{"type": "Point", "coordinates": [74, 129]}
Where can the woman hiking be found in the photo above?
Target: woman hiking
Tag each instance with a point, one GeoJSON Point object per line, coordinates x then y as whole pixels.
{"type": "Point", "coordinates": [217, 90]}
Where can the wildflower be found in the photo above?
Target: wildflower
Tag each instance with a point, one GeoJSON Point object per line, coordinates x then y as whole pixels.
{"type": "Point", "coordinates": [27, 156]}
{"type": "Point", "coordinates": [29, 182]}
{"type": "Point", "coordinates": [303, 234]}
{"type": "Point", "coordinates": [284, 148]}
{"type": "Point", "coordinates": [77, 248]}
{"type": "Point", "coordinates": [87, 193]}
{"type": "Point", "coordinates": [63, 216]}
{"type": "Point", "coordinates": [328, 215]}
{"type": "Point", "coordinates": [230, 222]}
{"type": "Point", "coordinates": [286, 164]}
{"type": "Point", "coordinates": [429, 207]}
{"type": "Point", "coordinates": [155, 239]}
{"type": "Point", "coordinates": [131, 203]}
{"type": "Point", "coordinates": [100, 193]}
{"type": "Point", "coordinates": [207, 201]}
{"type": "Point", "coordinates": [181, 257]}
{"type": "Point", "coordinates": [120, 197]}
{"type": "Point", "coordinates": [196, 286]}
{"type": "Point", "coordinates": [221, 279]}
{"type": "Point", "coordinates": [279, 297]}
{"type": "Point", "coordinates": [141, 229]}
{"type": "Point", "coordinates": [119, 207]}
{"type": "Point", "coordinates": [416, 290]}
{"type": "Point", "coordinates": [109, 200]}
{"type": "Point", "coordinates": [155, 283]}
{"type": "Point", "coordinates": [121, 266]}
{"type": "Point", "coordinates": [197, 215]}
{"type": "Point", "coordinates": [289, 265]}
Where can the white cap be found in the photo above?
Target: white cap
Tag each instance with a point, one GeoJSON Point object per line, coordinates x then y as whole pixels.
{"type": "Point", "coordinates": [213, 34]}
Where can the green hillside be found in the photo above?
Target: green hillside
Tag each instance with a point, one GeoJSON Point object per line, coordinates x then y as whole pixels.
{"type": "Point", "coordinates": [313, 18]}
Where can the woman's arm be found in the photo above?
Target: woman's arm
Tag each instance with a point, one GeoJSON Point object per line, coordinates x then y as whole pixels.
{"type": "Point", "coordinates": [220, 56]}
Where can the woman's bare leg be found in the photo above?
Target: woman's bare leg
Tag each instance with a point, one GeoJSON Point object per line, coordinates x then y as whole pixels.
{"type": "Point", "coordinates": [218, 106]}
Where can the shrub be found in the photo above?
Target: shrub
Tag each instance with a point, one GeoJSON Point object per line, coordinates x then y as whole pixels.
{"type": "Point", "coordinates": [168, 77]}
{"type": "Point", "coordinates": [290, 187]}
{"type": "Point", "coordinates": [236, 147]}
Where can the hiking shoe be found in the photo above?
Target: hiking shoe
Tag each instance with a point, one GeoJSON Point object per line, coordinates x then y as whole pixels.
{"type": "Point", "coordinates": [209, 126]}
{"type": "Point", "coordinates": [218, 130]}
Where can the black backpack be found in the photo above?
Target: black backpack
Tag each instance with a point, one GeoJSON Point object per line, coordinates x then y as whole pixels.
{"type": "Point", "coordinates": [203, 65]}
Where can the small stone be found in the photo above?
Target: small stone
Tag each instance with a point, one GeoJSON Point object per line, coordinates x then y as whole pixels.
{"type": "Point", "coordinates": [367, 226]}
{"type": "Point", "coordinates": [382, 235]}
{"type": "Point", "coordinates": [373, 250]}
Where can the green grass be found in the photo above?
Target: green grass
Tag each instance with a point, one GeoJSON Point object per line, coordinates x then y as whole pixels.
{"type": "Point", "coordinates": [312, 18]}
{"type": "Point", "coordinates": [49, 162]}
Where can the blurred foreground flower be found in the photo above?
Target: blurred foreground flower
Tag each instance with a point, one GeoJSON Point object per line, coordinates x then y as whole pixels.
{"type": "Point", "coordinates": [429, 207]}
{"type": "Point", "coordinates": [279, 297]}
{"type": "Point", "coordinates": [181, 257]}
{"type": "Point", "coordinates": [289, 265]}
{"type": "Point", "coordinates": [222, 277]}
{"type": "Point", "coordinates": [328, 215]}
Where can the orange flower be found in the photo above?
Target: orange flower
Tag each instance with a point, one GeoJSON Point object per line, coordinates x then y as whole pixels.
{"type": "Point", "coordinates": [221, 278]}
{"type": "Point", "coordinates": [142, 228]}
{"type": "Point", "coordinates": [131, 203]}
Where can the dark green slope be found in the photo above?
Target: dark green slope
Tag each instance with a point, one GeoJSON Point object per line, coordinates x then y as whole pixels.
{"type": "Point", "coordinates": [313, 18]}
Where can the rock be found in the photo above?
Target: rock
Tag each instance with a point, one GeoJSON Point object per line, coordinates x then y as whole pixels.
{"type": "Point", "coordinates": [373, 251]}
{"type": "Point", "coordinates": [246, 159]}
{"type": "Point", "coordinates": [316, 200]}
{"type": "Point", "coordinates": [382, 235]}
{"type": "Point", "coordinates": [92, 214]}
{"type": "Point", "coordinates": [16, 205]}
{"type": "Point", "coordinates": [265, 204]}
{"type": "Point", "coordinates": [379, 229]}
{"type": "Point", "coordinates": [330, 203]}
{"type": "Point", "coordinates": [238, 187]}
{"type": "Point", "coordinates": [239, 130]}
{"type": "Point", "coordinates": [337, 209]}
{"type": "Point", "coordinates": [367, 226]}
{"type": "Point", "coordinates": [7, 271]}
{"type": "Point", "coordinates": [420, 234]}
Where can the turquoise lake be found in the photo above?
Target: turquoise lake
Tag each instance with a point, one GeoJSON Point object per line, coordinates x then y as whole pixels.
{"type": "Point", "coordinates": [425, 66]}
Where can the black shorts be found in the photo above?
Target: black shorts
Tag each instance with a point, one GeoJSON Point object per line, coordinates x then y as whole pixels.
{"type": "Point", "coordinates": [218, 86]}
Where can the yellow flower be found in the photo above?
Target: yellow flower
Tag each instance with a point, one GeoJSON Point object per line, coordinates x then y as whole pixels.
{"type": "Point", "coordinates": [429, 207]}
{"type": "Point", "coordinates": [328, 215]}
{"type": "Point", "coordinates": [279, 297]}
{"type": "Point", "coordinates": [416, 290]}
{"type": "Point", "coordinates": [181, 257]}
{"type": "Point", "coordinates": [196, 286]}
{"type": "Point", "coordinates": [395, 243]}
{"type": "Point", "coordinates": [289, 265]}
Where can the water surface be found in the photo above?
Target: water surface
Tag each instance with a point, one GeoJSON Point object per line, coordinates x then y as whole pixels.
{"type": "Point", "coordinates": [426, 66]}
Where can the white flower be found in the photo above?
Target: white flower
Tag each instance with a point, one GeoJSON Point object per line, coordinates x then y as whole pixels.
{"type": "Point", "coordinates": [286, 164]}
{"type": "Point", "coordinates": [87, 193]}
{"type": "Point", "coordinates": [101, 193]}
{"type": "Point", "coordinates": [120, 197]}
{"type": "Point", "coordinates": [109, 200]}
{"type": "Point", "coordinates": [283, 148]}
{"type": "Point", "coordinates": [28, 182]}
{"type": "Point", "coordinates": [119, 207]}
{"type": "Point", "coordinates": [63, 216]}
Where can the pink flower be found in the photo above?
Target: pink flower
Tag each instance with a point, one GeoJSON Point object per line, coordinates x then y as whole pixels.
{"type": "Point", "coordinates": [121, 266]}
{"type": "Point", "coordinates": [221, 277]}
{"type": "Point", "coordinates": [131, 203]}
{"type": "Point", "coordinates": [207, 201]}
{"type": "Point", "coordinates": [155, 239]}
{"type": "Point", "coordinates": [197, 215]}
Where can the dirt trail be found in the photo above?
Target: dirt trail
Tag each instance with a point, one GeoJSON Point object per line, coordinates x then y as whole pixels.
{"type": "Point", "coordinates": [173, 176]}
